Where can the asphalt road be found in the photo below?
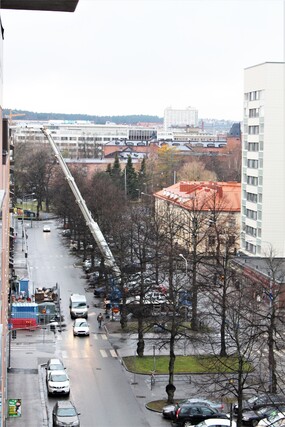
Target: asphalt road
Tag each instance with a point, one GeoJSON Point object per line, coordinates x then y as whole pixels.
{"type": "Point", "coordinates": [100, 387]}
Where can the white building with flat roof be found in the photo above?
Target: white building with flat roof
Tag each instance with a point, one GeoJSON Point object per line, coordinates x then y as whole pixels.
{"type": "Point", "coordinates": [263, 160]}
{"type": "Point", "coordinates": [180, 118]}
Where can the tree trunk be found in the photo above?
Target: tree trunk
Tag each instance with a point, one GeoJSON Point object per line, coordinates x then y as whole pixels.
{"type": "Point", "coordinates": [140, 344]}
{"type": "Point", "coordinates": [170, 388]}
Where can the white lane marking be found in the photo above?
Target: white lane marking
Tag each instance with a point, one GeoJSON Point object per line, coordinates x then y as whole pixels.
{"type": "Point", "coordinates": [95, 336]}
{"type": "Point", "coordinates": [113, 353]}
{"type": "Point", "coordinates": [104, 337]}
{"type": "Point", "coordinates": [103, 353]}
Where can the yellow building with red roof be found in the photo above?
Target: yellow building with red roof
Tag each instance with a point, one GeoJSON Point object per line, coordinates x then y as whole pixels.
{"type": "Point", "coordinates": [208, 214]}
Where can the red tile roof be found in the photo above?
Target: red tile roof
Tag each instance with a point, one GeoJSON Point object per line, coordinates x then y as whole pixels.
{"type": "Point", "coordinates": [207, 195]}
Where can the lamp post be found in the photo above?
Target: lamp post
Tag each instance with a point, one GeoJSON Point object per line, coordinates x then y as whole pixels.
{"type": "Point", "coordinates": [186, 262]}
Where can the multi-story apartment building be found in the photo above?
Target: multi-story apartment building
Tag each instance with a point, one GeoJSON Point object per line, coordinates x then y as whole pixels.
{"type": "Point", "coordinates": [263, 154]}
{"type": "Point", "coordinates": [178, 118]}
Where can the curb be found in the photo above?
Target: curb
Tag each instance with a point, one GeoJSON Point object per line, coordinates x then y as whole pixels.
{"type": "Point", "coordinates": [42, 397]}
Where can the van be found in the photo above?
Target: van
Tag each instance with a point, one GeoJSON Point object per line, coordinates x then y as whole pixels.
{"type": "Point", "coordinates": [78, 306]}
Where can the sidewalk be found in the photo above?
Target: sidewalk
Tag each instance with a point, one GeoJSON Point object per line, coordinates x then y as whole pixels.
{"type": "Point", "coordinates": [28, 351]}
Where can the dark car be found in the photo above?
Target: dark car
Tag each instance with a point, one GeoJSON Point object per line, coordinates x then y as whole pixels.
{"type": "Point", "coordinates": [252, 418]}
{"type": "Point", "coordinates": [260, 401]}
{"type": "Point", "coordinates": [100, 292]}
{"type": "Point", "coordinates": [189, 414]}
{"type": "Point", "coordinates": [168, 411]}
{"type": "Point", "coordinates": [65, 414]}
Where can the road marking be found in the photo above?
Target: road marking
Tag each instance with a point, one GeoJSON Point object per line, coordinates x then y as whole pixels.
{"type": "Point", "coordinates": [103, 353]}
{"type": "Point", "coordinates": [104, 337]}
{"type": "Point", "coordinates": [113, 353]}
{"type": "Point", "coordinates": [95, 336]}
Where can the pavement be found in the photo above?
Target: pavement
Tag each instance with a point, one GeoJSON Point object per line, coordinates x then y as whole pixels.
{"type": "Point", "coordinates": [32, 348]}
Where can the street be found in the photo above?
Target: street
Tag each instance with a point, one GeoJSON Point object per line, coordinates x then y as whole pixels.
{"type": "Point", "coordinates": [100, 387]}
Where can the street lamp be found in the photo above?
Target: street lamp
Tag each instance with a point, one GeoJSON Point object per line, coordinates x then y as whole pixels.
{"type": "Point", "coordinates": [186, 262]}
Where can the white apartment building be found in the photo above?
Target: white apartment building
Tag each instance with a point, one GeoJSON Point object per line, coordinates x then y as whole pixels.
{"type": "Point", "coordinates": [263, 161]}
{"type": "Point", "coordinates": [180, 118]}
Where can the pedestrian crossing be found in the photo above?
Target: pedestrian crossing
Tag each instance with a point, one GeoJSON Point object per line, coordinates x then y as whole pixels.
{"type": "Point", "coordinates": [32, 347]}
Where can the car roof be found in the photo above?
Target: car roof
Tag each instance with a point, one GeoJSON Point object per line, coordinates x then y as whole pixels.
{"type": "Point", "coordinates": [55, 361]}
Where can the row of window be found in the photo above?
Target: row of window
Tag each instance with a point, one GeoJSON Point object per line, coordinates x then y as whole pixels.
{"type": "Point", "coordinates": [251, 214]}
{"type": "Point", "coordinates": [252, 180]}
{"type": "Point", "coordinates": [253, 164]}
{"type": "Point", "coordinates": [254, 95]}
{"type": "Point", "coordinates": [251, 197]}
{"type": "Point", "coordinates": [251, 231]}
{"type": "Point", "coordinates": [253, 146]}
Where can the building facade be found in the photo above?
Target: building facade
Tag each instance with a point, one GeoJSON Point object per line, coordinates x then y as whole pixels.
{"type": "Point", "coordinates": [180, 118]}
{"type": "Point", "coordinates": [263, 158]}
{"type": "Point", "coordinates": [207, 215]}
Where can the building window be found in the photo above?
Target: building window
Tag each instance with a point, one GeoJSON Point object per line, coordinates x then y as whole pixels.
{"type": "Point", "coordinates": [251, 214]}
{"type": "Point", "coordinates": [254, 112]}
{"type": "Point", "coordinates": [212, 240]}
{"type": "Point", "coordinates": [250, 247]}
{"type": "Point", "coordinates": [253, 146]}
{"type": "Point", "coordinates": [250, 230]}
{"type": "Point", "coordinates": [253, 164]}
{"type": "Point", "coordinates": [252, 180]}
{"type": "Point", "coordinates": [251, 197]}
{"type": "Point", "coordinates": [253, 130]}
{"type": "Point", "coordinates": [254, 95]}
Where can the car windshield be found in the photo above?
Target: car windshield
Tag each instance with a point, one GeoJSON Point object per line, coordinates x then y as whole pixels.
{"type": "Point", "coordinates": [58, 378]}
{"type": "Point", "coordinates": [66, 412]}
{"type": "Point", "coordinates": [79, 304]}
{"type": "Point", "coordinates": [253, 399]}
{"type": "Point", "coordinates": [55, 367]}
{"type": "Point", "coordinates": [81, 323]}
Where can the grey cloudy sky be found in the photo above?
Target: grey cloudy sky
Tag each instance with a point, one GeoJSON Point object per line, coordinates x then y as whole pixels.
{"type": "Point", "coordinates": [115, 57]}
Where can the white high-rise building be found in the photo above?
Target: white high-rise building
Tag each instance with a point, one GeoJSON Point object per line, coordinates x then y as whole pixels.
{"type": "Point", "coordinates": [180, 118]}
{"type": "Point", "coordinates": [263, 161]}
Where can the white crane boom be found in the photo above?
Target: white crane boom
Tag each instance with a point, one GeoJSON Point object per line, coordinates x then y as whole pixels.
{"type": "Point", "coordinates": [92, 225]}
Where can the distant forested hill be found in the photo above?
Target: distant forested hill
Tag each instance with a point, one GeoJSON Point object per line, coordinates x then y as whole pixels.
{"type": "Point", "coordinates": [128, 120]}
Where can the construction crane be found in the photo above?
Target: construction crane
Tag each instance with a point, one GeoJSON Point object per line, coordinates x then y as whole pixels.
{"type": "Point", "coordinates": [92, 225]}
{"type": "Point", "coordinates": [11, 115]}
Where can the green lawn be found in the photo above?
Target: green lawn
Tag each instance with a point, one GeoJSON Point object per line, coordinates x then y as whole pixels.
{"type": "Point", "coordinates": [183, 364]}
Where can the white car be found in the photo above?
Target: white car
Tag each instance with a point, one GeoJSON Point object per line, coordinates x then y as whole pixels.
{"type": "Point", "coordinates": [58, 383]}
{"type": "Point", "coordinates": [214, 422]}
{"type": "Point", "coordinates": [46, 228]}
{"type": "Point", "coordinates": [80, 327]}
{"type": "Point", "coordinates": [277, 419]}
{"type": "Point", "coordinates": [54, 365]}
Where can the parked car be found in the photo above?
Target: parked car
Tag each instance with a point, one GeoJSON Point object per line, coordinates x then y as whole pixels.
{"type": "Point", "coordinates": [276, 419]}
{"type": "Point", "coordinates": [260, 401]}
{"type": "Point", "coordinates": [169, 410]}
{"type": "Point", "coordinates": [46, 228]}
{"type": "Point", "coordinates": [100, 292]}
{"type": "Point", "coordinates": [66, 232]}
{"type": "Point", "coordinates": [58, 383]}
{"type": "Point", "coordinates": [65, 414]}
{"type": "Point", "coordinates": [80, 327]}
{"type": "Point", "coordinates": [189, 414]}
{"type": "Point", "coordinates": [252, 418]}
{"type": "Point", "coordinates": [54, 365]}
{"type": "Point", "coordinates": [214, 422]}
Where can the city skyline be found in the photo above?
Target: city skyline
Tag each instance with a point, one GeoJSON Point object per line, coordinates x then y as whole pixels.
{"type": "Point", "coordinates": [139, 57]}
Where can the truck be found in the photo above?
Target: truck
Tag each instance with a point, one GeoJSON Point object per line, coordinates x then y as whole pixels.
{"type": "Point", "coordinates": [78, 306]}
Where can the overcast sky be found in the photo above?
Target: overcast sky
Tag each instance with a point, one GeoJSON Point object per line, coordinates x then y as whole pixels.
{"type": "Point", "coordinates": [116, 57]}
